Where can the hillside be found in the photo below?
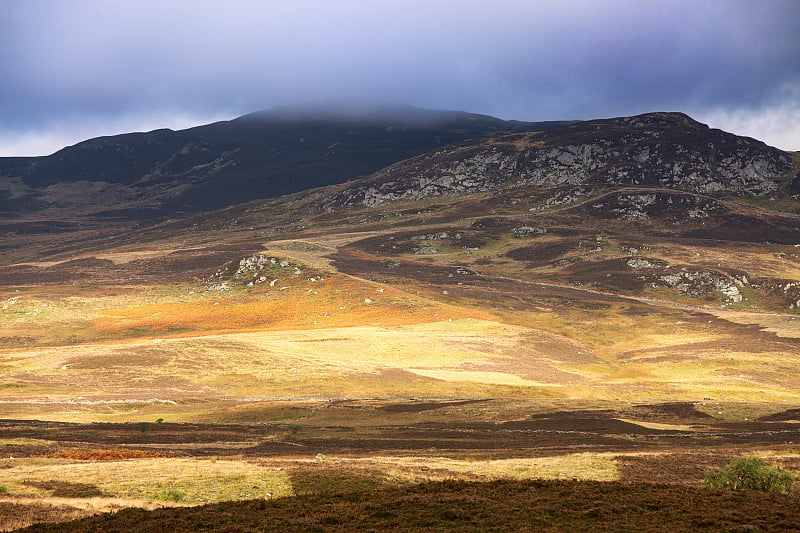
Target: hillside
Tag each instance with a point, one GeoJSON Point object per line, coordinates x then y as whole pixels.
{"type": "Point", "coordinates": [653, 150]}
{"type": "Point", "coordinates": [261, 155]}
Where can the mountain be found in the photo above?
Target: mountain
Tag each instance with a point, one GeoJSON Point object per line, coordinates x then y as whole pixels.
{"type": "Point", "coordinates": [261, 155]}
{"type": "Point", "coordinates": [663, 150]}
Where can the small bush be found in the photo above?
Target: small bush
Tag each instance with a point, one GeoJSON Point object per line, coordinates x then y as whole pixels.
{"type": "Point", "coordinates": [750, 473]}
{"type": "Point", "coordinates": [170, 495]}
{"type": "Point", "coordinates": [3, 489]}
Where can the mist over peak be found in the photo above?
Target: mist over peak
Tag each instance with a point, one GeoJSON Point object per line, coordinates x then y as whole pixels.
{"type": "Point", "coordinates": [385, 113]}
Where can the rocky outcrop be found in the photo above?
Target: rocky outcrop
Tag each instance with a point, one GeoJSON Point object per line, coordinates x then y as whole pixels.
{"type": "Point", "coordinates": [666, 150]}
{"type": "Point", "coordinates": [664, 206]}
{"type": "Point", "coordinates": [528, 231]}
{"type": "Point", "coordinates": [643, 263]}
{"type": "Point", "coordinates": [697, 283]}
{"type": "Point", "coordinates": [252, 271]}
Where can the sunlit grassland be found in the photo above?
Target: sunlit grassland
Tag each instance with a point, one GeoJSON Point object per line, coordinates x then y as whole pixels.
{"type": "Point", "coordinates": [595, 466]}
{"type": "Point", "coordinates": [64, 315]}
{"type": "Point", "coordinates": [201, 480]}
{"type": "Point", "coordinates": [612, 329]}
{"type": "Point", "coordinates": [151, 483]}
{"type": "Point", "coordinates": [180, 351]}
{"type": "Point", "coordinates": [161, 480]}
{"type": "Point", "coordinates": [327, 303]}
{"type": "Point", "coordinates": [185, 378]}
{"type": "Point", "coordinates": [732, 377]}
{"type": "Point", "coordinates": [377, 361]}
{"type": "Point", "coordinates": [68, 315]}
{"type": "Point", "coordinates": [783, 325]}
{"type": "Point", "coordinates": [278, 355]}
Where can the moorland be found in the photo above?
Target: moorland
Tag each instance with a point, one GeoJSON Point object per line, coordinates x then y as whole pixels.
{"type": "Point", "coordinates": [590, 313]}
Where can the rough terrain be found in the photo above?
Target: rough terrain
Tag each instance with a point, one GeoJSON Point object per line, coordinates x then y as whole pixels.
{"type": "Point", "coordinates": [623, 314]}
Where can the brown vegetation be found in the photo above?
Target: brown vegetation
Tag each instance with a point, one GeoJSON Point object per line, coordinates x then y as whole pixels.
{"type": "Point", "coordinates": [495, 506]}
{"type": "Point", "coordinates": [106, 454]}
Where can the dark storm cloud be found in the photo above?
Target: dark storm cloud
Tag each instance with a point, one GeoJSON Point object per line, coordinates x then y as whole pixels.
{"type": "Point", "coordinates": [69, 64]}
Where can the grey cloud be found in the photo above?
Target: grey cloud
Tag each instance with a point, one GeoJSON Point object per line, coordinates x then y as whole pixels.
{"type": "Point", "coordinates": [514, 58]}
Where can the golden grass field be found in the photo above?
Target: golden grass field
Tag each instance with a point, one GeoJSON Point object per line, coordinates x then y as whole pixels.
{"type": "Point", "coordinates": [180, 352]}
{"type": "Point", "coordinates": [340, 336]}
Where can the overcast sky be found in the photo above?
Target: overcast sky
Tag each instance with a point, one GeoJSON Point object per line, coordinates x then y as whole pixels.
{"type": "Point", "coordinates": [70, 70]}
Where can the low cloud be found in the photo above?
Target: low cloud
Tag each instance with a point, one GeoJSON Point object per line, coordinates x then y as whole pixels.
{"type": "Point", "coordinates": [777, 124]}
{"type": "Point", "coordinates": [68, 63]}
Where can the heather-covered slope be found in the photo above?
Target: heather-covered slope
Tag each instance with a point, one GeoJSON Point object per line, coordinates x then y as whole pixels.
{"type": "Point", "coordinates": [499, 506]}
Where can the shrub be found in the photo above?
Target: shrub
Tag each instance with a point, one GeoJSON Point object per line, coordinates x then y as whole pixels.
{"type": "Point", "coordinates": [3, 489]}
{"type": "Point", "coordinates": [170, 495]}
{"type": "Point", "coordinates": [750, 473]}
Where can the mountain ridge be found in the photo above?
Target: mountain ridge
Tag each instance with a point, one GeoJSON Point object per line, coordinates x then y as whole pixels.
{"type": "Point", "coordinates": [260, 155]}
{"type": "Point", "coordinates": [654, 149]}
